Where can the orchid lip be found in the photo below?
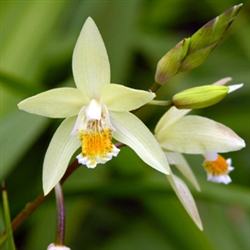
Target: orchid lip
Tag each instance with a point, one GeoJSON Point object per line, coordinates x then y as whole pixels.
{"type": "Point", "coordinates": [95, 131]}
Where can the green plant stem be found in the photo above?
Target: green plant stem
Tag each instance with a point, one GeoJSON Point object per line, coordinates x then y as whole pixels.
{"type": "Point", "coordinates": [154, 88]}
{"type": "Point", "coordinates": [60, 215]}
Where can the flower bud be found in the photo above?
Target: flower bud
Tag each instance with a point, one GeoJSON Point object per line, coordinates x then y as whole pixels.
{"type": "Point", "coordinates": [169, 64]}
{"type": "Point", "coordinates": [193, 51]}
{"type": "Point", "coordinates": [204, 41]}
{"type": "Point", "coordinates": [57, 247]}
{"type": "Point", "coordinates": [199, 97]}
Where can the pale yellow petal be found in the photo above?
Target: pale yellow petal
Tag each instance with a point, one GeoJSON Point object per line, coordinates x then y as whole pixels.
{"type": "Point", "coordinates": [120, 98]}
{"type": "Point", "coordinates": [181, 164]}
{"type": "Point", "coordinates": [132, 132]}
{"type": "Point", "coordinates": [91, 68]}
{"type": "Point", "coordinates": [186, 198]}
{"type": "Point", "coordinates": [199, 135]}
{"type": "Point", "coordinates": [169, 118]}
{"type": "Point", "coordinates": [59, 153]}
{"type": "Point", "coordinates": [55, 103]}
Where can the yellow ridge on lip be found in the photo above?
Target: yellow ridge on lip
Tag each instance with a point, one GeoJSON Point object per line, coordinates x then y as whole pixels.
{"type": "Point", "coordinates": [217, 167]}
{"type": "Point", "coordinates": [96, 141]}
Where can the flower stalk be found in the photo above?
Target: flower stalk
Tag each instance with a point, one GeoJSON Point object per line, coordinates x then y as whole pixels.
{"type": "Point", "coordinates": [60, 215]}
{"type": "Point", "coordinates": [164, 103]}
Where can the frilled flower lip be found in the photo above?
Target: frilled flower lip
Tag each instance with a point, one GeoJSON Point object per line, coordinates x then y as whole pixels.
{"type": "Point", "coordinates": [217, 168]}
{"type": "Point", "coordinates": [194, 134]}
{"type": "Point", "coordinates": [94, 129]}
{"type": "Point", "coordinates": [91, 71]}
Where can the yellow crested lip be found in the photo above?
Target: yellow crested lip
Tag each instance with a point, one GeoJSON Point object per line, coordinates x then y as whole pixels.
{"type": "Point", "coordinates": [95, 131]}
{"type": "Point", "coordinates": [217, 167]}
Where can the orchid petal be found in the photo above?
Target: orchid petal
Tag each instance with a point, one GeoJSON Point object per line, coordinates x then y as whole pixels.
{"type": "Point", "coordinates": [234, 87]}
{"type": "Point", "coordinates": [181, 164]}
{"type": "Point", "coordinates": [199, 135]}
{"type": "Point", "coordinates": [119, 98]}
{"type": "Point", "coordinates": [170, 117]}
{"type": "Point", "coordinates": [59, 153]}
{"type": "Point", "coordinates": [131, 131]}
{"type": "Point", "coordinates": [223, 81]}
{"type": "Point", "coordinates": [186, 198]}
{"type": "Point", "coordinates": [55, 103]}
{"type": "Point", "coordinates": [91, 68]}
{"type": "Point", "coordinates": [80, 122]}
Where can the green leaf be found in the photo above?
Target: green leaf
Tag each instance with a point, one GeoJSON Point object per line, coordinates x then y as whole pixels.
{"type": "Point", "coordinates": [16, 84]}
{"type": "Point", "coordinates": [18, 131]}
{"type": "Point", "coordinates": [10, 245]}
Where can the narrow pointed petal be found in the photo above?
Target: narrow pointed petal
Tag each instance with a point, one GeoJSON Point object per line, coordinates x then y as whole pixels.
{"type": "Point", "coordinates": [186, 198]}
{"type": "Point", "coordinates": [235, 87]}
{"type": "Point", "coordinates": [55, 103]}
{"type": "Point", "coordinates": [91, 68]}
{"type": "Point", "coordinates": [223, 81]}
{"type": "Point", "coordinates": [59, 153]}
{"type": "Point", "coordinates": [119, 98]}
{"type": "Point", "coordinates": [170, 117]}
{"type": "Point", "coordinates": [180, 162]}
{"type": "Point", "coordinates": [199, 135]}
{"type": "Point", "coordinates": [131, 131]}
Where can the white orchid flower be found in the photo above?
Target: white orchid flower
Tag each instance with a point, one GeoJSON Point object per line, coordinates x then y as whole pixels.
{"type": "Point", "coordinates": [177, 134]}
{"type": "Point", "coordinates": [95, 112]}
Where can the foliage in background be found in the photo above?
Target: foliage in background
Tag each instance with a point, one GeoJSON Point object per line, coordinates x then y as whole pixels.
{"type": "Point", "coordinates": [122, 204]}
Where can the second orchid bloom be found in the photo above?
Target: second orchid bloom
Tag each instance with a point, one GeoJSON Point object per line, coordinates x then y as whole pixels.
{"type": "Point", "coordinates": [177, 134]}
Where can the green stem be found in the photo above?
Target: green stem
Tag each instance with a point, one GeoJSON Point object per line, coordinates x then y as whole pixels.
{"type": "Point", "coordinates": [154, 88]}
{"type": "Point", "coordinates": [160, 103]}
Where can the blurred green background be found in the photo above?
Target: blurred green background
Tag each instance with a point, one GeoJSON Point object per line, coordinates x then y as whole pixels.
{"type": "Point", "coordinates": [123, 204]}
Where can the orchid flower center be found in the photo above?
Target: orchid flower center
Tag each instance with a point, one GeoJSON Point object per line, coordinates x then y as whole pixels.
{"type": "Point", "coordinates": [95, 130]}
{"type": "Point", "coordinates": [217, 167]}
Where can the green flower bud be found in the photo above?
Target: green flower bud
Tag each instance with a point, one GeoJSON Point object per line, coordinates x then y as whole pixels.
{"type": "Point", "coordinates": [204, 41]}
{"type": "Point", "coordinates": [200, 97]}
{"type": "Point", "coordinates": [170, 63]}
{"type": "Point", "coordinates": [192, 52]}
